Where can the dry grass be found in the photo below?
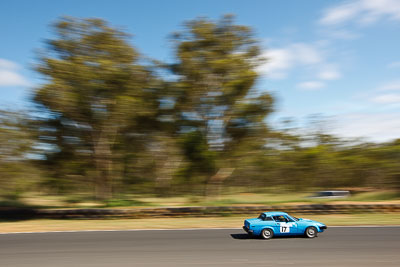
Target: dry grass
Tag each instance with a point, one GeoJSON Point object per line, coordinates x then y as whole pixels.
{"type": "Point", "coordinates": [179, 223]}
{"type": "Point", "coordinates": [293, 198]}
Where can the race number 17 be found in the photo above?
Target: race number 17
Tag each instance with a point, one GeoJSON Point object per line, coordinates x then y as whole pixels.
{"type": "Point", "coordinates": [285, 229]}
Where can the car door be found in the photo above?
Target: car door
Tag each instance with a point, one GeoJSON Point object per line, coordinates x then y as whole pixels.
{"type": "Point", "coordinates": [278, 221]}
{"type": "Point", "coordinates": [292, 226]}
{"type": "Point", "coordinates": [284, 225]}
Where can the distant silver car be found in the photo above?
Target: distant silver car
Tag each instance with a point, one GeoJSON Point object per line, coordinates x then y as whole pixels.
{"type": "Point", "coordinates": [331, 194]}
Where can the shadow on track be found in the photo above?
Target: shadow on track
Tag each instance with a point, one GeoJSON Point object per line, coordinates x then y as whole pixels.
{"type": "Point", "coordinates": [247, 237]}
{"type": "Point", "coordinates": [242, 236]}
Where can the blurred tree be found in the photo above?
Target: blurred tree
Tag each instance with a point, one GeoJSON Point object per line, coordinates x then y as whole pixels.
{"type": "Point", "coordinates": [385, 160]}
{"type": "Point", "coordinates": [95, 95]}
{"type": "Point", "coordinates": [217, 108]}
{"type": "Point", "coordinates": [17, 174]}
{"type": "Point", "coordinates": [107, 121]}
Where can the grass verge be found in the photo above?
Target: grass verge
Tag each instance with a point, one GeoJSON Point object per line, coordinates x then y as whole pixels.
{"type": "Point", "coordinates": [179, 223]}
{"type": "Point", "coordinates": [282, 198]}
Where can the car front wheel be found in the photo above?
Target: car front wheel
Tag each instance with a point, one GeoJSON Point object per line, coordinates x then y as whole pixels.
{"type": "Point", "coordinates": [311, 232]}
{"type": "Point", "coordinates": [267, 234]}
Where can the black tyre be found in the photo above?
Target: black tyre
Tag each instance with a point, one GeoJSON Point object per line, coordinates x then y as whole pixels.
{"type": "Point", "coordinates": [267, 234]}
{"type": "Point", "coordinates": [311, 232]}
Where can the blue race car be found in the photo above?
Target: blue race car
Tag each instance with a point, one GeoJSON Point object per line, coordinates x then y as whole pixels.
{"type": "Point", "coordinates": [277, 223]}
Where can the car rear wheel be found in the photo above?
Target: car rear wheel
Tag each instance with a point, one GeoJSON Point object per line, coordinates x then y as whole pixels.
{"type": "Point", "coordinates": [311, 232]}
{"type": "Point", "coordinates": [267, 234]}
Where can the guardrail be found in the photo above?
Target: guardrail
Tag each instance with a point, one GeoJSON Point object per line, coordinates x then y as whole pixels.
{"type": "Point", "coordinates": [168, 212]}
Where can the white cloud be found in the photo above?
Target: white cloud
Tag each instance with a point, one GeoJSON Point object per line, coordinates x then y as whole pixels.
{"type": "Point", "coordinates": [281, 60]}
{"type": "Point", "coordinates": [343, 34]}
{"type": "Point", "coordinates": [387, 99]}
{"type": "Point", "coordinates": [329, 73]}
{"type": "Point", "coordinates": [385, 94]}
{"type": "Point", "coordinates": [395, 64]}
{"type": "Point", "coordinates": [379, 127]}
{"type": "Point", "coordinates": [9, 75]}
{"type": "Point", "coordinates": [6, 64]}
{"type": "Point", "coordinates": [340, 13]}
{"type": "Point", "coordinates": [311, 85]}
{"type": "Point", "coordinates": [10, 78]}
{"type": "Point", "coordinates": [362, 12]}
{"type": "Point", "coordinates": [307, 59]}
{"type": "Point", "coordinates": [306, 54]}
{"type": "Point", "coordinates": [391, 86]}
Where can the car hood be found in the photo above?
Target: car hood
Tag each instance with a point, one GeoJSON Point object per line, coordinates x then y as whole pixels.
{"type": "Point", "coordinates": [305, 220]}
{"type": "Point", "coordinates": [308, 220]}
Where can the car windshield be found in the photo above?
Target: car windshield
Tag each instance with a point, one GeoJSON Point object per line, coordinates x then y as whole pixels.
{"type": "Point", "coordinates": [262, 216]}
{"type": "Point", "coordinates": [294, 218]}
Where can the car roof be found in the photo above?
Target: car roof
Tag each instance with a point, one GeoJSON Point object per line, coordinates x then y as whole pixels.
{"type": "Point", "coordinates": [275, 213]}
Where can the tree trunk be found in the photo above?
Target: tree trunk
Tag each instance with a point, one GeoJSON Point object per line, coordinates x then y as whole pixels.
{"type": "Point", "coordinates": [167, 157]}
{"type": "Point", "coordinates": [214, 184]}
{"type": "Point", "coordinates": [103, 163]}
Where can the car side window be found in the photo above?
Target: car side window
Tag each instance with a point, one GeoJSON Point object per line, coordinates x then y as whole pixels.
{"type": "Point", "coordinates": [268, 218]}
{"type": "Point", "coordinates": [280, 218]}
{"type": "Point", "coordinates": [288, 219]}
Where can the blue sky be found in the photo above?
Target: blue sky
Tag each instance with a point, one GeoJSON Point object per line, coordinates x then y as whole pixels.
{"type": "Point", "coordinates": [340, 59]}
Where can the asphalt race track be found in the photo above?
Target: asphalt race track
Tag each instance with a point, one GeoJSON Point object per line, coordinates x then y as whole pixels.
{"type": "Point", "coordinates": [364, 246]}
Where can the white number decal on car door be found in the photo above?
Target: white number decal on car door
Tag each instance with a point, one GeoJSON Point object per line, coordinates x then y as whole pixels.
{"type": "Point", "coordinates": [285, 227]}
